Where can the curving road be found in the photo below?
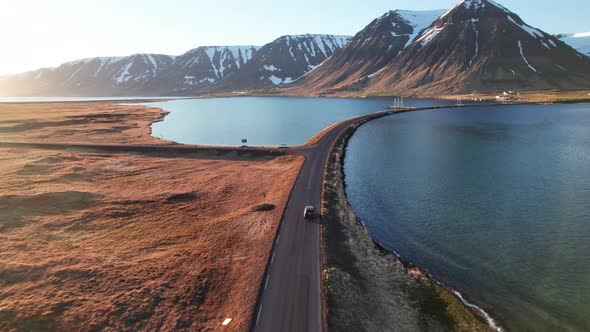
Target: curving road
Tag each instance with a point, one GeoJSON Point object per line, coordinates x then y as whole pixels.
{"type": "Point", "coordinates": [291, 296]}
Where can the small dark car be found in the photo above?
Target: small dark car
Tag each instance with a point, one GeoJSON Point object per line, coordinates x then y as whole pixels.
{"type": "Point", "coordinates": [308, 212]}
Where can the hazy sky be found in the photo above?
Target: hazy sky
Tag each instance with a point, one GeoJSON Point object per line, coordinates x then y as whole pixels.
{"type": "Point", "coordinates": [42, 33]}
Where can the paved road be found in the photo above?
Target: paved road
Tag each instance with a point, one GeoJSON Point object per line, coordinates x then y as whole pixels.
{"type": "Point", "coordinates": [290, 299]}
{"type": "Point", "coordinates": [291, 295]}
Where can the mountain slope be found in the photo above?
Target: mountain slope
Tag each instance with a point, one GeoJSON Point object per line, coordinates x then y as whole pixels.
{"type": "Point", "coordinates": [201, 70]}
{"type": "Point", "coordinates": [579, 41]}
{"type": "Point", "coordinates": [201, 67]}
{"type": "Point", "coordinates": [368, 51]}
{"type": "Point", "coordinates": [481, 46]}
{"type": "Point", "coordinates": [95, 76]}
{"type": "Point", "coordinates": [283, 61]}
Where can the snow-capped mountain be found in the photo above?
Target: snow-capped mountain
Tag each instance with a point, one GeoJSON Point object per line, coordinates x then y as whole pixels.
{"type": "Point", "coordinates": [478, 45]}
{"type": "Point", "coordinates": [370, 50]}
{"type": "Point", "coordinates": [93, 76]}
{"type": "Point", "coordinates": [201, 67]}
{"type": "Point", "coordinates": [200, 70]}
{"type": "Point", "coordinates": [284, 60]}
{"type": "Point", "coordinates": [579, 41]}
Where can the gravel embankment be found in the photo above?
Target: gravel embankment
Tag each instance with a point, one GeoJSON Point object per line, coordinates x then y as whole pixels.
{"type": "Point", "coordinates": [368, 289]}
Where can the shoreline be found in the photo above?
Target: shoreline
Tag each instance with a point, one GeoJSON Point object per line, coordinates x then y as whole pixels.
{"type": "Point", "coordinates": [526, 96]}
{"type": "Point", "coordinates": [421, 272]}
{"type": "Point", "coordinates": [431, 303]}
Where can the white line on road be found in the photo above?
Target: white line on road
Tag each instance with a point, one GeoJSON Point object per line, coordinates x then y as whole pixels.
{"type": "Point", "coordinates": [259, 311]}
{"type": "Point", "coordinates": [278, 238]}
{"type": "Point", "coordinates": [266, 283]}
{"type": "Point", "coordinates": [273, 258]}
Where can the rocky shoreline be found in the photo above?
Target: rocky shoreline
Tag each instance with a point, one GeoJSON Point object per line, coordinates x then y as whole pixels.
{"type": "Point", "coordinates": [368, 289]}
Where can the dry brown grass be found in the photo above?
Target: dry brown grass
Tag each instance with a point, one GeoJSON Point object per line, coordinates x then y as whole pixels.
{"type": "Point", "coordinates": [114, 242]}
{"type": "Point", "coordinates": [96, 122]}
{"type": "Point", "coordinates": [132, 242]}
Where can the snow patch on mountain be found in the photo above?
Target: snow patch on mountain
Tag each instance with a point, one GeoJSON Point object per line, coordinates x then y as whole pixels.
{"type": "Point", "coordinates": [474, 4]}
{"type": "Point", "coordinates": [429, 35]}
{"type": "Point", "coordinates": [535, 33]}
{"type": "Point", "coordinates": [524, 58]}
{"type": "Point", "coordinates": [123, 75]}
{"type": "Point", "coordinates": [223, 57]}
{"type": "Point", "coordinates": [418, 20]}
{"type": "Point", "coordinates": [473, 21]}
{"type": "Point", "coordinates": [579, 41]}
{"type": "Point", "coordinates": [376, 73]}
{"type": "Point", "coordinates": [306, 52]}
{"type": "Point", "coordinates": [136, 67]}
{"type": "Point", "coordinates": [313, 44]}
{"type": "Point", "coordinates": [278, 81]}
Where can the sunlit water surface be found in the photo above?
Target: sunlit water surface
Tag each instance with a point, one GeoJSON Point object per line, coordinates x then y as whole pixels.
{"type": "Point", "coordinates": [260, 120]}
{"type": "Point", "coordinates": [495, 202]}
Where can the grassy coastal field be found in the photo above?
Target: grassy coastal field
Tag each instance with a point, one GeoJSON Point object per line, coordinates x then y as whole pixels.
{"type": "Point", "coordinates": [534, 96]}
{"type": "Point", "coordinates": [87, 122]}
{"type": "Point", "coordinates": [127, 241]}
{"type": "Point", "coordinates": [551, 96]}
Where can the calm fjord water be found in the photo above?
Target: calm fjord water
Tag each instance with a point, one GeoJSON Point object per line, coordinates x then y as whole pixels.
{"type": "Point", "coordinates": [261, 120]}
{"type": "Point", "coordinates": [495, 202]}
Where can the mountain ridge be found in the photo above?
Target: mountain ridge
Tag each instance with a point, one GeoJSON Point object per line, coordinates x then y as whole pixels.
{"type": "Point", "coordinates": [200, 70]}
{"type": "Point", "coordinates": [478, 45]}
{"type": "Point", "coordinates": [284, 61]}
{"type": "Point", "coordinates": [102, 75]}
{"type": "Point", "coordinates": [369, 51]}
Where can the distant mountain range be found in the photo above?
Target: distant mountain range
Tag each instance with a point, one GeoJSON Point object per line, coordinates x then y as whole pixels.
{"type": "Point", "coordinates": [106, 76]}
{"type": "Point", "coordinates": [201, 70]}
{"type": "Point", "coordinates": [478, 45]}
